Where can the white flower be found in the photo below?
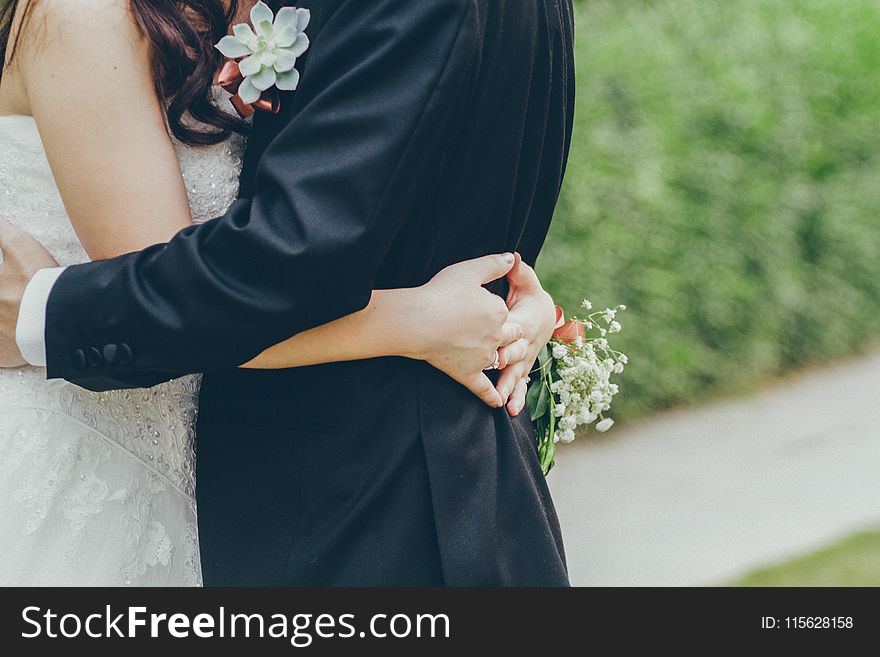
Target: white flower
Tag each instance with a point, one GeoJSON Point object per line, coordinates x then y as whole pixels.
{"type": "Point", "coordinates": [586, 304]}
{"type": "Point", "coordinates": [580, 381]}
{"type": "Point", "coordinates": [270, 52]}
{"type": "Point", "coordinates": [604, 425]}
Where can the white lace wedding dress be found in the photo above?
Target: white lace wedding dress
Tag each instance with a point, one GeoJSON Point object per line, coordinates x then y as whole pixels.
{"type": "Point", "coordinates": [97, 489]}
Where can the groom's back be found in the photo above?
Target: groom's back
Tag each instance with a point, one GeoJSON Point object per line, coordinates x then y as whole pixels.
{"type": "Point", "coordinates": [505, 150]}
{"type": "Point", "coordinates": [500, 152]}
{"type": "Point", "coordinates": [387, 472]}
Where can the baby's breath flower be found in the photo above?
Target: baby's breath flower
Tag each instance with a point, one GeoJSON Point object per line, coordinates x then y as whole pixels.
{"type": "Point", "coordinates": [566, 436]}
{"type": "Point", "coordinates": [604, 425]}
{"type": "Point", "coordinates": [568, 422]}
{"type": "Point", "coordinates": [578, 379]}
{"type": "Point", "coordinates": [586, 304]}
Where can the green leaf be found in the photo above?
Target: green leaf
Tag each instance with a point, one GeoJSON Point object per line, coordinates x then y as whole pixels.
{"type": "Point", "coordinates": [541, 405]}
{"type": "Point", "coordinates": [547, 454]}
{"type": "Point", "coordinates": [533, 400]}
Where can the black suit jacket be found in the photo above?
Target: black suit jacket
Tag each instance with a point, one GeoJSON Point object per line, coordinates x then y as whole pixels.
{"type": "Point", "coordinates": [422, 134]}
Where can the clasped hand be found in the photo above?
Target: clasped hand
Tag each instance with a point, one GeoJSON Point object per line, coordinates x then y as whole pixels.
{"type": "Point", "coordinates": [470, 323]}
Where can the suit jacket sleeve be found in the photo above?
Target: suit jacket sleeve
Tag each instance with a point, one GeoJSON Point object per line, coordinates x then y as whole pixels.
{"type": "Point", "coordinates": [332, 191]}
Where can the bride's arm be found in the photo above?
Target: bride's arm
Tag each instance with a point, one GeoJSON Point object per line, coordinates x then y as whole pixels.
{"type": "Point", "coordinates": [89, 84]}
{"type": "Point", "coordinates": [88, 81]}
{"type": "Point", "coordinates": [441, 323]}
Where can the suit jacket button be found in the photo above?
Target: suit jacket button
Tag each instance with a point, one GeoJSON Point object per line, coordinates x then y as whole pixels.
{"type": "Point", "coordinates": [79, 360]}
{"type": "Point", "coordinates": [124, 355]}
{"type": "Point", "coordinates": [94, 357]}
{"type": "Point", "coordinates": [110, 353]}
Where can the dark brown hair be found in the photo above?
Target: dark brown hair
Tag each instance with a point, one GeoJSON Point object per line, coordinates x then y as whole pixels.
{"type": "Point", "coordinates": [181, 34]}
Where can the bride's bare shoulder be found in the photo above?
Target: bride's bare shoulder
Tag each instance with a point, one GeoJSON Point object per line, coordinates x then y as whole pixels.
{"type": "Point", "coordinates": [78, 28]}
{"type": "Point", "coordinates": [89, 45]}
{"type": "Point", "coordinates": [62, 16]}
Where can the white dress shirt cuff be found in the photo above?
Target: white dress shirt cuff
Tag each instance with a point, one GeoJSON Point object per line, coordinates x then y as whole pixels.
{"type": "Point", "coordinates": [30, 331]}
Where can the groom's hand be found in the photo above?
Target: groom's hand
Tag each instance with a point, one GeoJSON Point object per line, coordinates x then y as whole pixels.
{"type": "Point", "coordinates": [23, 256]}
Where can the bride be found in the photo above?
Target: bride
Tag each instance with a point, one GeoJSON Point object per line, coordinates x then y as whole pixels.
{"type": "Point", "coordinates": [112, 138]}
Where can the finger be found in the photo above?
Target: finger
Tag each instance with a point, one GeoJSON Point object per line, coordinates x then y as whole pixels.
{"type": "Point", "coordinates": [510, 333]}
{"type": "Point", "coordinates": [508, 379]}
{"type": "Point", "coordinates": [517, 401]}
{"type": "Point", "coordinates": [482, 387]}
{"type": "Point", "coordinates": [512, 276]}
{"type": "Point", "coordinates": [522, 276]}
{"type": "Point", "coordinates": [489, 268]}
{"type": "Point", "coordinates": [513, 353]}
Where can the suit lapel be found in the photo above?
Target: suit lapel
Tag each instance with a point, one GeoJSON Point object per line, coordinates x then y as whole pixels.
{"type": "Point", "coordinates": [267, 126]}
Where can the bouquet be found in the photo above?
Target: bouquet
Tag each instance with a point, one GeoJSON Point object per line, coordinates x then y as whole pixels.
{"type": "Point", "coordinates": [571, 387]}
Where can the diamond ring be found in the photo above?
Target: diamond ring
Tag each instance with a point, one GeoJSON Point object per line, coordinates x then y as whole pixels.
{"type": "Point", "coordinates": [495, 363]}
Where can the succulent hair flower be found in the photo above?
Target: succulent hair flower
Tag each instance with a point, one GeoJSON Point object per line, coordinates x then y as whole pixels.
{"type": "Point", "coordinates": [269, 49]}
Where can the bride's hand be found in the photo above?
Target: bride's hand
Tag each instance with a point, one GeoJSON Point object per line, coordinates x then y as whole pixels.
{"type": "Point", "coordinates": [456, 325]}
{"type": "Point", "coordinates": [531, 308]}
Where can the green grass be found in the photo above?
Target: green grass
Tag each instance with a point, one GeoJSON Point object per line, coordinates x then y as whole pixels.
{"type": "Point", "coordinates": [724, 183]}
{"type": "Point", "coordinates": [854, 561]}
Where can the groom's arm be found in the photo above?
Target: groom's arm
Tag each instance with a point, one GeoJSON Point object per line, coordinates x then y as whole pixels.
{"type": "Point", "coordinates": [332, 191]}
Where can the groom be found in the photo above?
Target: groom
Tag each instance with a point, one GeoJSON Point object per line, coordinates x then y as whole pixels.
{"type": "Point", "coordinates": [423, 133]}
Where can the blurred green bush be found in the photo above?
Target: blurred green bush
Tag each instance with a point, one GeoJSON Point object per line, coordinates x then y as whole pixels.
{"type": "Point", "coordinates": [724, 183]}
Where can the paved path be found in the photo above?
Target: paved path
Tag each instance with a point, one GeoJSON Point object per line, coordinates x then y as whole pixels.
{"type": "Point", "coordinates": [700, 496]}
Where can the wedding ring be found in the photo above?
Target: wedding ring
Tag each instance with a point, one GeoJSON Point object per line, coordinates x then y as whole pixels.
{"type": "Point", "coordinates": [495, 363]}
